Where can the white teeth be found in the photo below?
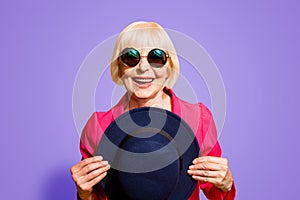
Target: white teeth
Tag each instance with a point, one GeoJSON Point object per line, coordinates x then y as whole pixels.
{"type": "Point", "coordinates": [143, 80]}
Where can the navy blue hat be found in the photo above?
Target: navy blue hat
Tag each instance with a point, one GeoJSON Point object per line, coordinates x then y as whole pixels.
{"type": "Point", "coordinates": [149, 150]}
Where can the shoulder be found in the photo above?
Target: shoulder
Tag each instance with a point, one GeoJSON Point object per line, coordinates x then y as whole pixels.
{"type": "Point", "coordinates": [200, 119]}
{"type": "Point", "coordinates": [192, 109]}
{"type": "Point", "coordinates": [195, 114]}
{"type": "Point", "coordinates": [96, 126]}
{"type": "Point", "coordinates": [194, 106]}
{"type": "Point", "coordinates": [93, 131]}
{"type": "Point", "coordinates": [180, 105]}
{"type": "Point", "coordinates": [98, 119]}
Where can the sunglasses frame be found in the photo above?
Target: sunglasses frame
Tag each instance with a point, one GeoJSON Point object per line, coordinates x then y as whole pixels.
{"type": "Point", "coordinates": [139, 57]}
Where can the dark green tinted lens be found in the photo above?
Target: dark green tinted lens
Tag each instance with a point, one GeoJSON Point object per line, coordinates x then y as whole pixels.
{"type": "Point", "coordinates": [130, 57]}
{"type": "Point", "coordinates": [157, 58]}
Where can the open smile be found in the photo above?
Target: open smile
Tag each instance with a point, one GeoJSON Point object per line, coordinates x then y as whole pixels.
{"type": "Point", "coordinates": [143, 80]}
{"type": "Point", "coordinates": [143, 83]}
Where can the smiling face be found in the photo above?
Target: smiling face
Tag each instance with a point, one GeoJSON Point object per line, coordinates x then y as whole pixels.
{"type": "Point", "coordinates": [142, 35]}
{"type": "Point", "coordinates": [144, 81]}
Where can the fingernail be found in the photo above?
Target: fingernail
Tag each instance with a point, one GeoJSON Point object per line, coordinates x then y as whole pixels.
{"type": "Point", "coordinates": [108, 166]}
{"type": "Point", "coordinates": [99, 157]}
{"type": "Point", "coordinates": [191, 167]}
{"type": "Point", "coordinates": [104, 162]}
{"type": "Point", "coordinates": [189, 171]}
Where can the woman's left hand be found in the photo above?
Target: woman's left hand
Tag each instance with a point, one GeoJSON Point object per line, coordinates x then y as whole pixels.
{"type": "Point", "coordinates": [214, 170]}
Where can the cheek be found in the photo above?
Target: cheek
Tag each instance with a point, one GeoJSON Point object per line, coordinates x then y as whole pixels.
{"type": "Point", "coordinates": [164, 73]}
{"type": "Point", "coordinates": [125, 77]}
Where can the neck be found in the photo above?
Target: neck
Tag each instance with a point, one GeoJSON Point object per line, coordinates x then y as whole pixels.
{"type": "Point", "coordinates": [160, 100]}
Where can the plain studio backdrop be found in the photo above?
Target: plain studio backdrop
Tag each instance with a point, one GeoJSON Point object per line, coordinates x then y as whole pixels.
{"type": "Point", "coordinates": [255, 45]}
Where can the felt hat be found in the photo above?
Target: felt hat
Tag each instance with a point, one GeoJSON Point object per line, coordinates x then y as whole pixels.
{"type": "Point", "coordinates": [149, 150]}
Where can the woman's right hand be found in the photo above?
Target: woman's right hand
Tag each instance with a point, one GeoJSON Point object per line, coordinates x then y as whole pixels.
{"type": "Point", "coordinates": [88, 173]}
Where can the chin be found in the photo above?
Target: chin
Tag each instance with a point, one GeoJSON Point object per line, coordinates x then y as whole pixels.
{"type": "Point", "coordinates": [143, 95]}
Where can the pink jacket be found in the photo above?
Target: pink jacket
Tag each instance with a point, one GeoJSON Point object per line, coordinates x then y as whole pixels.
{"type": "Point", "coordinates": [197, 116]}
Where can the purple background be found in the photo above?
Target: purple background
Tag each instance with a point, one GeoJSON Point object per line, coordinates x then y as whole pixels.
{"type": "Point", "coordinates": [254, 44]}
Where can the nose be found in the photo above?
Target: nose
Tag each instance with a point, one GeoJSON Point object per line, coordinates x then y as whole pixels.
{"type": "Point", "coordinates": [143, 64]}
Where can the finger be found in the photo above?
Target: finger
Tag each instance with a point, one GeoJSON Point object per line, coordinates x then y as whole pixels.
{"type": "Point", "coordinates": [208, 166]}
{"type": "Point", "coordinates": [210, 159]}
{"type": "Point", "coordinates": [90, 184]}
{"type": "Point", "coordinates": [82, 180]}
{"type": "Point", "coordinates": [214, 181]}
{"type": "Point", "coordinates": [205, 173]}
{"type": "Point", "coordinates": [92, 166]}
{"type": "Point", "coordinates": [218, 182]}
{"type": "Point", "coordinates": [92, 175]}
{"type": "Point", "coordinates": [85, 162]}
{"type": "Point", "coordinates": [81, 175]}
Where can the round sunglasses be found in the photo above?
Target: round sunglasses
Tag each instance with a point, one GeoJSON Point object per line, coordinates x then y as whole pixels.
{"type": "Point", "coordinates": [156, 57]}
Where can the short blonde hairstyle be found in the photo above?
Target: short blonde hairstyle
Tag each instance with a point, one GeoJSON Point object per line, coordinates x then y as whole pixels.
{"type": "Point", "coordinates": [145, 35]}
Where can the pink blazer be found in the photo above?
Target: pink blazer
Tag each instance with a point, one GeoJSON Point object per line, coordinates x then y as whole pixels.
{"type": "Point", "coordinates": [197, 116]}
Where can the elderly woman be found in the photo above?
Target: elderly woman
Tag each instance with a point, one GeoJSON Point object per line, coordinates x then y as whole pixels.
{"type": "Point", "coordinates": [145, 62]}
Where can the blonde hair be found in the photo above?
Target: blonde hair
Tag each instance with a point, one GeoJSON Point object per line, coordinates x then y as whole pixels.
{"type": "Point", "coordinates": [146, 35]}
